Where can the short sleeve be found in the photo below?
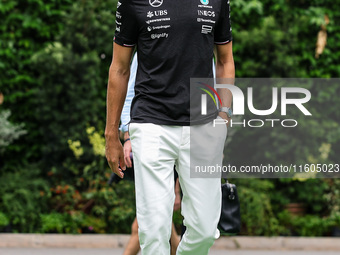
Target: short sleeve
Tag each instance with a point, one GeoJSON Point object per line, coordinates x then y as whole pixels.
{"type": "Point", "coordinates": [126, 24]}
{"type": "Point", "coordinates": [222, 34]}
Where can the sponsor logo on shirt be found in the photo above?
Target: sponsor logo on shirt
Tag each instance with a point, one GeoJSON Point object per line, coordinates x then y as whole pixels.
{"type": "Point", "coordinates": [206, 20]}
{"type": "Point", "coordinates": [157, 36]}
{"type": "Point", "coordinates": [149, 28]}
{"type": "Point", "coordinates": [157, 20]}
{"type": "Point", "coordinates": [206, 29]}
{"type": "Point", "coordinates": [150, 14]}
{"type": "Point", "coordinates": [155, 3]}
{"type": "Point", "coordinates": [206, 13]}
{"type": "Point", "coordinates": [161, 13]}
{"type": "Point", "coordinates": [205, 6]}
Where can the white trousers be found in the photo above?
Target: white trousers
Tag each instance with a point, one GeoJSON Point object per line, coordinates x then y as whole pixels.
{"type": "Point", "coordinates": [156, 149]}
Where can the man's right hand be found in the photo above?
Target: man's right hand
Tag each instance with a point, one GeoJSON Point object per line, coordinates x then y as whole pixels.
{"type": "Point", "coordinates": [115, 155]}
{"type": "Point", "coordinates": [119, 74]}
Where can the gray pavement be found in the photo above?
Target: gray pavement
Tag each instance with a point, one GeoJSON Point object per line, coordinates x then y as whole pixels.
{"type": "Point", "coordinates": [96, 244]}
{"type": "Point", "coordinates": [119, 251]}
{"type": "Point", "coordinates": [117, 241]}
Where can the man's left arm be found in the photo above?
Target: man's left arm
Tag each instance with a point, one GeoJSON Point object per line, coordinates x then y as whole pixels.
{"type": "Point", "coordinates": [225, 74]}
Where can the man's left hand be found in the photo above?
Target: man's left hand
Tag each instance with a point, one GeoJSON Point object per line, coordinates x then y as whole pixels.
{"type": "Point", "coordinates": [225, 116]}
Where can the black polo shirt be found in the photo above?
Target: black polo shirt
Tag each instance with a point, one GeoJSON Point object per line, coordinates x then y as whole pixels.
{"type": "Point", "coordinates": [175, 40]}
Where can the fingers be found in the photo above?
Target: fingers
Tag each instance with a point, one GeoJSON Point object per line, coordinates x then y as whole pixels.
{"type": "Point", "coordinates": [127, 151]}
{"type": "Point", "coordinates": [116, 169]}
{"type": "Point", "coordinates": [122, 165]}
{"type": "Point", "coordinates": [127, 160]}
{"type": "Point", "coordinates": [115, 156]}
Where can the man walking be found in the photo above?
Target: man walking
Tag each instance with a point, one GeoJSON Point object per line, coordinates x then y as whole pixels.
{"type": "Point", "coordinates": [175, 41]}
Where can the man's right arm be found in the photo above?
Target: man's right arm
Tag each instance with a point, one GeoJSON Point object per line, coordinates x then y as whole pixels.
{"type": "Point", "coordinates": [116, 91]}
